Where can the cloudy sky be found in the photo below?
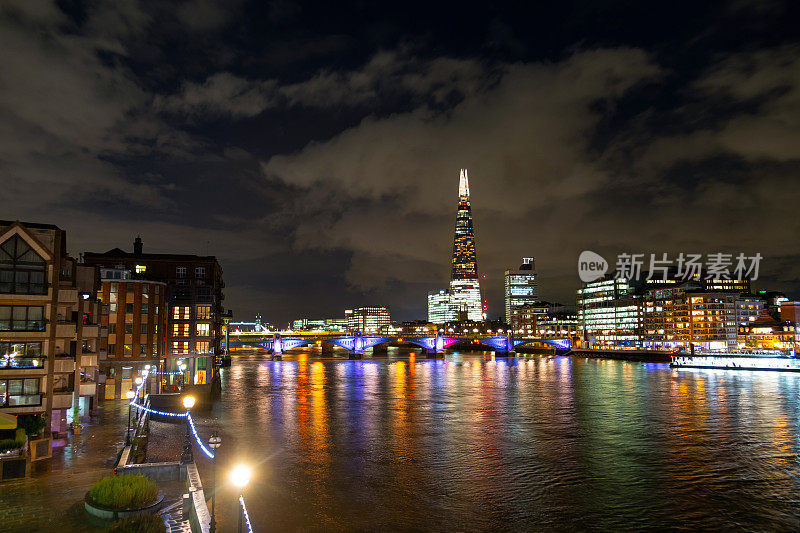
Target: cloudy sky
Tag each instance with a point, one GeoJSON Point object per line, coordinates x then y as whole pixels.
{"type": "Point", "coordinates": [315, 147]}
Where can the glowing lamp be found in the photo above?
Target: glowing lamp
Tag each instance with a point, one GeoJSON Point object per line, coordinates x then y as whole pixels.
{"type": "Point", "coordinates": [188, 402]}
{"type": "Point", "coordinates": [130, 394]}
{"type": "Point", "coordinates": [240, 476]}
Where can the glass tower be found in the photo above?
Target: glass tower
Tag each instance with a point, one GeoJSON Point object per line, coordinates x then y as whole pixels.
{"type": "Point", "coordinates": [464, 285]}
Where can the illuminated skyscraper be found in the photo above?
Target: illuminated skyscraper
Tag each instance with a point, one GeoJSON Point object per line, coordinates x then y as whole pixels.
{"type": "Point", "coordinates": [520, 288]}
{"type": "Point", "coordinates": [465, 289]}
{"type": "Point", "coordinates": [465, 262]}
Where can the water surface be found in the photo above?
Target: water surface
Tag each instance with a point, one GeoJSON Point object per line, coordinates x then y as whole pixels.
{"type": "Point", "coordinates": [476, 443]}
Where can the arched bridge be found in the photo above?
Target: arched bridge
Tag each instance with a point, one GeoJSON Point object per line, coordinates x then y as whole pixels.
{"type": "Point", "coordinates": [356, 343]}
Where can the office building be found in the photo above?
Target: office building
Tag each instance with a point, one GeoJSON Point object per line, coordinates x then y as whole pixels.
{"type": "Point", "coordinates": [520, 288]}
{"type": "Point", "coordinates": [368, 319]}
{"type": "Point", "coordinates": [441, 308]}
{"type": "Point", "coordinates": [608, 313]}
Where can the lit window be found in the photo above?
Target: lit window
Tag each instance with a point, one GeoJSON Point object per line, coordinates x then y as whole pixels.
{"type": "Point", "coordinates": [140, 269]}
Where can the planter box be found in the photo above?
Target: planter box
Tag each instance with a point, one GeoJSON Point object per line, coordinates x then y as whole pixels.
{"type": "Point", "coordinates": [107, 513]}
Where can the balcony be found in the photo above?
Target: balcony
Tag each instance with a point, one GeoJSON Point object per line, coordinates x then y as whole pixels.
{"type": "Point", "coordinates": [88, 359]}
{"type": "Point", "coordinates": [62, 365]}
{"type": "Point", "coordinates": [88, 389]}
{"type": "Point", "coordinates": [65, 329]}
{"type": "Point", "coordinates": [62, 399]}
{"type": "Point", "coordinates": [67, 295]}
{"type": "Point", "coordinates": [90, 330]}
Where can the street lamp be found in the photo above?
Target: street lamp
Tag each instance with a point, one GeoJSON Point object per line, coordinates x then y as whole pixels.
{"type": "Point", "coordinates": [240, 477]}
{"type": "Point", "coordinates": [214, 441]}
{"type": "Point", "coordinates": [129, 396]}
{"type": "Point", "coordinates": [186, 455]}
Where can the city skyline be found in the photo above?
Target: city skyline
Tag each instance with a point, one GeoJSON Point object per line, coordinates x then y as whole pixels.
{"type": "Point", "coordinates": [312, 149]}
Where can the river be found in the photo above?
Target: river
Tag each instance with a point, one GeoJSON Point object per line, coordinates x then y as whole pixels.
{"type": "Point", "coordinates": [476, 443]}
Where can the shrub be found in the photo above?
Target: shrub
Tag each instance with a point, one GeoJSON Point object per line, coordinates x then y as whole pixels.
{"type": "Point", "coordinates": [11, 444]}
{"type": "Point", "coordinates": [145, 523]}
{"type": "Point", "coordinates": [33, 424]}
{"type": "Point", "coordinates": [122, 492]}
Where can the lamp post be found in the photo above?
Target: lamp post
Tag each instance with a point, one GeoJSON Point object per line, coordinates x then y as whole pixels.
{"type": "Point", "coordinates": [240, 477]}
{"type": "Point", "coordinates": [214, 441]}
{"type": "Point", "coordinates": [186, 455]}
{"type": "Point", "coordinates": [129, 396]}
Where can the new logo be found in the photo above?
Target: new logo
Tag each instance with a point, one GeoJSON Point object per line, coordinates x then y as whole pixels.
{"type": "Point", "coordinates": [591, 266]}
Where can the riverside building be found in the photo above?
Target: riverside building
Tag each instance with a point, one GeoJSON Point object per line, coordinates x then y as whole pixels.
{"type": "Point", "coordinates": [49, 331]}
{"type": "Point", "coordinates": [135, 313]}
{"type": "Point", "coordinates": [193, 303]}
{"type": "Point", "coordinates": [368, 319]}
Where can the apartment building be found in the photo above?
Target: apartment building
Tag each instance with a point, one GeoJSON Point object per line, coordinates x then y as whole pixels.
{"type": "Point", "coordinates": [194, 301]}
{"type": "Point", "coordinates": [135, 313]}
{"type": "Point", "coordinates": [50, 336]}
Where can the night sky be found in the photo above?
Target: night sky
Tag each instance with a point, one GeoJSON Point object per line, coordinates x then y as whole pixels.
{"type": "Point", "coordinates": [315, 147]}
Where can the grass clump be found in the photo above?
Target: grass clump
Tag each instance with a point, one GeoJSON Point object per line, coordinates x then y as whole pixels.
{"type": "Point", "coordinates": [123, 492]}
{"type": "Point", "coordinates": [11, 444]}
{"type": "Point", "coordinates": [144, 523]}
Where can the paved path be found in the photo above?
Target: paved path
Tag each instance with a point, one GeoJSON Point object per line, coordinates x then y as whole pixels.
{"type": "Point", "coordinates": [52, 499]}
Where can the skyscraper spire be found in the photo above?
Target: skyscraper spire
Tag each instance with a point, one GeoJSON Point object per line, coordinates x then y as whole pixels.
{"type": "Point", "coordinates": [463, 184]}
{"type": "Point", "coordinates": [465, 263]}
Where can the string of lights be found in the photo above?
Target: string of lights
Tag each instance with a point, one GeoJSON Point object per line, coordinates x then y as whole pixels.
{"type": "Point", "coordinates": [197, 439]}
{"type": "Point", "coordinates": [246, 516]}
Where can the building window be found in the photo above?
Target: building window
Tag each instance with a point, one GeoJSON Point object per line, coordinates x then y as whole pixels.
{"type": "Point", "coordinates": [112, 349]}
{"type": "Point", "coordinates": [112, 328]}
{"type": "Point", "coordinates": [180, 272]}
{"type": "Point", "coordinates": [180, 330]}
{"type": "Point", "coordinates": [180, 348]}
{"type": "Point", "coordinates": [203, 330]}
{"type": "Point", "coordinates": [22, 270]}
{"type": "Point", "coordinates": [202, 346]}
{"type": "Point", "coordinates": [145, 308]}
{"type": "Point", "coordinates": [113, 287]}
{"type": "Point", "coordinates": [127, 350]}
{"type": "Point", "coordinates": [112, 307]}
{"type": "Point", "coordinates": [21, 318]}
{"type": "Point", "coordinates": [158, 289]}
{"type": "Point", "coordinates": [200, 272]}
{"type": "Point", "coordinates": [143, 329]}
{"type": "Point", "coordinates": [21, 355]}
{"type": "Point", "coordinates": [142, 350]}
{"type": "Point", "coordinates": [19, 392]}
{"type": "Point", "coordinates": [180, 312]}
{"type": "Point", "coordinates": [140, 269]}
{"type": "Point", "coordinates": [145, 289]}
{"type": "Point", "coordinates": [203, 312]}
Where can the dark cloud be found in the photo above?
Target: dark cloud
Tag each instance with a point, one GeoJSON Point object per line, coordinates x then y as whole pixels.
{"type": "Point", "coordinates": [315, 149]}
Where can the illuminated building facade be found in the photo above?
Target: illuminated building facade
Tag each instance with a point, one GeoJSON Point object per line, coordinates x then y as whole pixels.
{"type": "Point", "coordinates": [194, 304]}
{"type": "Point", "coordinates": [608, 313]}
{"type": "Point", "coordinates": [135, 313]}
{"type": "Point", "coordinates": [520, 289]}
{"type": "Point", "coordinates": [368, 319]}
{"type": "Point", "coordinates": [50, 336]}
{"type": "Point", "coordinates": [441, 308]}
{"type": "Point", "coordinates": [465, 289]}
{"type": "Point", "coordinates": [768, 333]}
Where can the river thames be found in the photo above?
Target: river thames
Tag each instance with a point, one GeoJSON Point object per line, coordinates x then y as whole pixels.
{"type": "Point", "coordinates": [475, 443]}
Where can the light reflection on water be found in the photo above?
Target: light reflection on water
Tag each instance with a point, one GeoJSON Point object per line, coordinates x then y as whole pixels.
{"type": "Point", "coordinates": [474, 443]}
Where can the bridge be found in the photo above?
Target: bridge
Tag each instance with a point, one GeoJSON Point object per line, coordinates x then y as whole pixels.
{"type": "Point", "coordinates": [357, 342]}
